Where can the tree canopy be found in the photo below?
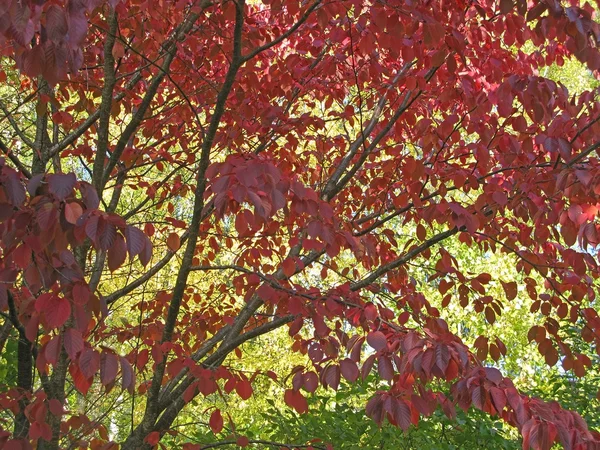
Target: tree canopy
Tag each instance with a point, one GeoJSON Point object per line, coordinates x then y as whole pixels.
{"type": "Point", "coordinates": [204, 201]}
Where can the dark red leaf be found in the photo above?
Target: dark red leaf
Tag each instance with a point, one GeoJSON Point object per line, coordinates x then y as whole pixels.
{"type": "Point", "coordinates": [61, 184]}
{"type": "Point", "coordinates": [135, 241]}
{"type": "Point", "coordinates": [498, 399]}
{"type": "Point", "coordinates": [365, 370]}
{"type": "Point", "coordinates": [375, 409]}
{"type": "Point", "coordinates": [349, 369]}
{"type": "Point", "coordinates": [377, 340]}
{"type": "Point", "coordinates": [89, 195]}
{"type": "Point", "coordinates": [127, 375]}
{"type": "Point", "coordinates": [73, 342]}
{"type": "Point", "coordinates": [109, 367]}
{"type": "Point", "coordinates": [56, 23]}
{"type": "Point", "coordinates": [332, 376]}
{"type": "Point", "coordinates": [401, 413]}
{"type": "Point", "coordinates": [442, 357]}
{"type": "Point", "coordinates": [311, 381]}
{"type": "Point", "coordinates": [89, 362]}
{"type": "Point", "coordinates": [385, 368]}
{"type": "Point", "coordinates": [117, 253]}
{"type": "Point", "coordinates": [146, 254]}
{"type": "Point", "coordinates": [15, 191]}
{"type": "Point", "coordinates": [52, 350]}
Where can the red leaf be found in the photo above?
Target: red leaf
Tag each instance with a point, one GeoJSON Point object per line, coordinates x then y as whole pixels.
{"type": "Point", "coordinates": [576, 214]}
{"type": "Point", "coordinates": [296, 400]}
{"type": "Point", "coordinates": [216, 421]}
{"type": "Point", "coordinates": [494, 375]}
{"type": "Point", "coordinates": [542, 435]}
{"type": "Point", "coordinates": [289, 267]}
{"type": "Point", "coordinates": [377, 340]}
{"type": "Point", "coordinates": [89, 195]}
{"type": "Point", "coordinates": [146, 254]}
{"type": "Point", "coordinates": [73, 211]}
{"type": "Point", "coordinates": [81, 382]}
{"type": "Point", "coordinates": [296, 326]}
{"type": "Point", "coordinates": [365, 370]}
{"type": "Point", "coordinates": [242, 441]}
{"type": "Point", "coordinates": [490, 315]}
{"type": "Point", "coordinates": [244, 389]}
{"type": "Point", "coordinates": [421, 232]}
{"type": "Point", "coordinates": [375, 409]}
{"type": "Point", "coordinates": [107, 236]}
{"type": "Point", "coordinates": [81, 293]}
{"type": "Point", "coordinates": [39, 430]}
{"type": "Point", "coordinates": [73, 342]}
{"type": "Point", "coordinates": [56, 407]}
{"type": "Point", "coordinates": [153, 438]}
{"type": "Point", "coordinates": [22, 256]}
{"type": "Point", "coordinates": [56, 309]}
{"type": "Point", "coordinates": [479, 397]}
{"type": "Point", "coordinates": [442, 357]}
{"type": "Point", "coordinates": [349, 370]}
{"type": "Point", "coordinates": [173, 242]}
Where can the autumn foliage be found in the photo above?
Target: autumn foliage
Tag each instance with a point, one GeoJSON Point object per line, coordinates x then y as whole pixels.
{"type": "Point", "coordinates": [257, 165]}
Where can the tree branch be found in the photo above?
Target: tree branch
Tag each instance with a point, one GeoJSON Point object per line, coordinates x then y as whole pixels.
{"type": "Point", "coordinates": [106, 102]}
{"type": "Point", "coordinates": [382, 270]}
{"type": "Point", "coordinates": [136, 438]}
{"type": "Point", "coordinates": [285, 35]}
{"type": "Point", "coordinates": [15, 125]}
{"type": "Point", "coordinates": [15, 160]}
{"type": "Point", "coordinates": [262, 442]}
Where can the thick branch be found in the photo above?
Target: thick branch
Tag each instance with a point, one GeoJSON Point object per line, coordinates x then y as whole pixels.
{"type": "Point", "coordinates": [152, 410]}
